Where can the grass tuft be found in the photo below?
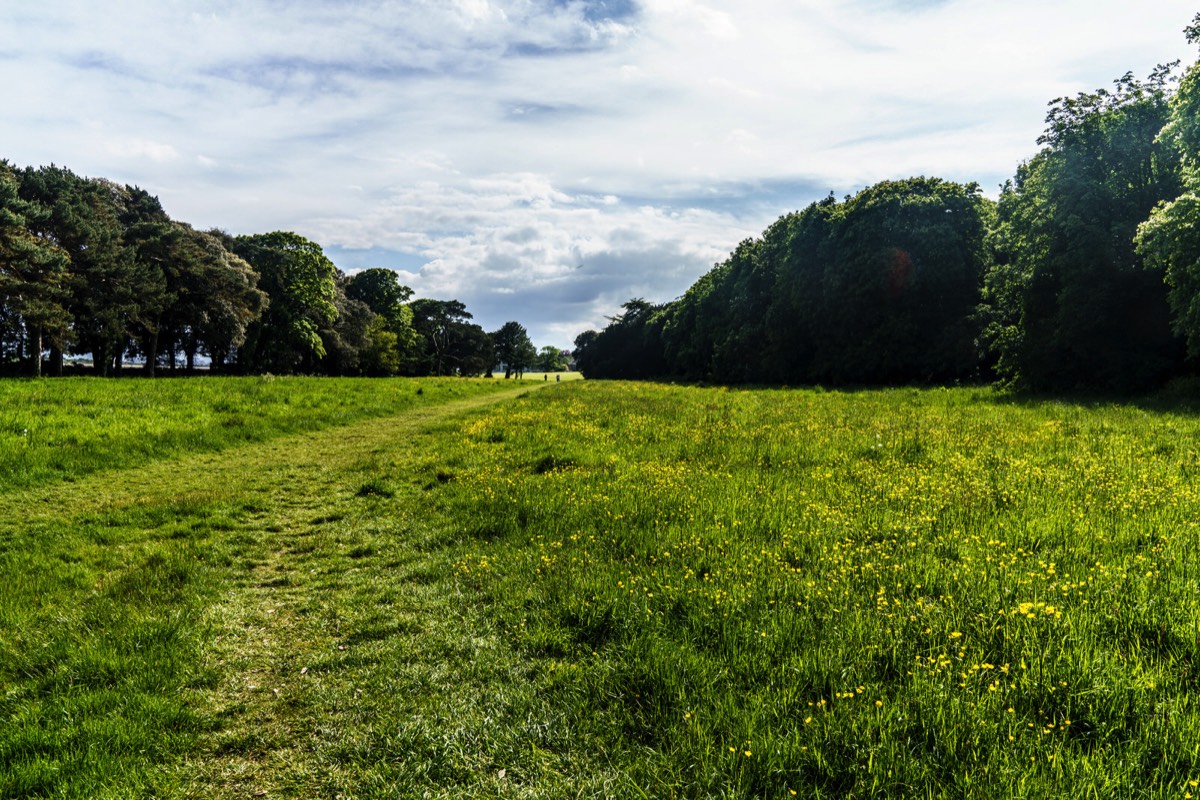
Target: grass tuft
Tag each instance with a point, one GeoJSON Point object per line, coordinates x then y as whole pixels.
{"type": "Point", "coordinates": [376, 487]}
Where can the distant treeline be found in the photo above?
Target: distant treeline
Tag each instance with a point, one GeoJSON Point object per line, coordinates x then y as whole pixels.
{"type": "Point", "coordinates": [1085, 274]}
{"type": "Point", "coordinates": [92, 268]}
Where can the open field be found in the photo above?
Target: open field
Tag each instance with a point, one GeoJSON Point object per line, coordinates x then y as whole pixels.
{"type": "Point", "coordinates": [615, 590]}
{"type": "Point", "coordinates": [542, 377]}
{"type": "Point", "coordinates": [64, 429]}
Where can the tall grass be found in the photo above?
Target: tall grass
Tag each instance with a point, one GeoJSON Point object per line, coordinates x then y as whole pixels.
{"type": "Point", "coordinates": [895, 593]}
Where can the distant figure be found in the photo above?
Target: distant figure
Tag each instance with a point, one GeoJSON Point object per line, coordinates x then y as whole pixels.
{"type": "Point", "coordinates": [545, 377]}
{"type": "Point", "coordinates": [557, 378]}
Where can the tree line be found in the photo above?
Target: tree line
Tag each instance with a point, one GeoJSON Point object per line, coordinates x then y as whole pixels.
{"type": "Point", "coordinates": [1084, 274]}
{"type": "Point", "coordinates": [89, 267]}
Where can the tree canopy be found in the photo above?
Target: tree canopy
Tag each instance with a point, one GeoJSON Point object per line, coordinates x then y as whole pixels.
{"type": "Point", "coordinates": [92, 267]}
{"type": "Point", "coordinates": [513, 349]}
{"type": "Point", "coordinates": [1085, 275]}
{"type": "Point", "coordinates": [878, 289]}
{"type": "Point", "coordinates": [1169, 240]}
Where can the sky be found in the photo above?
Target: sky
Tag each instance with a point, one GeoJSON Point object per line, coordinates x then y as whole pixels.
{"type": "Point", "coordinates": [545, 161]}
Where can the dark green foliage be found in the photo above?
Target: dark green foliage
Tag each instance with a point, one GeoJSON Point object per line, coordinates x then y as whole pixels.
{"type": "Point", "coordinates": [513, 349]}
{"type": "Point", "coordinates": [84, 221]}
{"type": "Point", "coordinates": [449, 344]}
{"type": "Point", "coordinates": [1070, 305]}
{"type": "Point", "coordinates": [92, 267]}
{"type": "Point", "coordinates": [630, 347]}
{"type": "Point", "coordinates": [129, 280]}
{"type": "Point", "coordinates": [887, 295]}
{"type": "Point", "coordinates": [350, 336]}
{"type": "Point", "coordinates": [382, 292]}
{"type": "Point", "coordinates": [218, 298]}
{"type": "Point", "coordinates": [551, 359]}
{"type": "Point", "coordinates": [1170, 240]}
{"type": "Point", "coordinates": [300, 282]}
{"type": "Point", "coordinates": [196, 295]}
{"type": "Point", "coordinates": [925, 281]}
{"type": "Point", "coordinates": [879, 289]}
{"type": "Point", "coordinates": [33, 275]}
{"type": "Point", "coordinates": [392, 341]}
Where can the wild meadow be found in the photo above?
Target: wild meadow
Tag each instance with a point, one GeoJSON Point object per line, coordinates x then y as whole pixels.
{"type": "Point", "coordinates": [604, 590]}
{"type": "Point", "coordinates": [874, 594]}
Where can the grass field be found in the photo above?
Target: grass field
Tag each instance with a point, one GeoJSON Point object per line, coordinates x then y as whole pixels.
{"type": "Point", "coordinates": [64, 429]}
{"type": "Point", "coordinates": [546, 377]}
{"type": "Point", "coordinates": [610, 590]}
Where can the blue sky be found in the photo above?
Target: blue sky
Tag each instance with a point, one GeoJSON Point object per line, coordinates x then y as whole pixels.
{"type": "Point", "coordinates": [546, 160]}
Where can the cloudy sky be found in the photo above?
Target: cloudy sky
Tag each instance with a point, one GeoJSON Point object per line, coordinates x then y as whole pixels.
{"type": "Point", "coordinates": [546, 160]}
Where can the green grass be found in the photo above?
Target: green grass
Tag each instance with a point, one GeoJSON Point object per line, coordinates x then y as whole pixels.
{"type": "Point", "coordinates": [617, 590]}
{"type": "Point", "coordinates": [876, 594]}
{"type": "Point", "coordinates": [65, 428]}
{"type": "Point", "coordinates": [544, 377]}
{"type": "Point", "coordinates": [117, 541]}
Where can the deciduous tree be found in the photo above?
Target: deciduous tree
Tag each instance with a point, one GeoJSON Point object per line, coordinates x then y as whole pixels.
{"type": "Point", "coordinates": [300, 284]}
{"type": "Point", "coordinates": [1070, 305]}
{"type": "Point", "coordinates": [1169, 240]}
{"type": "Point", "coordinates": [513, 349]}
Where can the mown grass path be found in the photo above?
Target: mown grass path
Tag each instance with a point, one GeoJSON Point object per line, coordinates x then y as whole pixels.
{"type": "Point", "coordinates": [300, 630]}
{"type": "Point", "coordinates": [283, 573]}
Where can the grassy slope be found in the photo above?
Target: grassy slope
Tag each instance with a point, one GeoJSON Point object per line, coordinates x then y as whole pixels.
{"type": "Point", "coordinates": [615, 590]}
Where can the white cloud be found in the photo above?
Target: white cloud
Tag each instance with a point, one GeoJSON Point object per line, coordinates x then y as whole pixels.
{"type": "Point", "coordinates": [139, 149]}
{"type": "Point", "coordinates": [502, 143]}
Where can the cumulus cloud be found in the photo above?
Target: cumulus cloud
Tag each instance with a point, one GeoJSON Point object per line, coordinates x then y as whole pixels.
{"type": "Point", "coordinates": [546, 160]}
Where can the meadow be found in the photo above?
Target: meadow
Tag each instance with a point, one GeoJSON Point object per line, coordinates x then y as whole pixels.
{"type": "Point", "coordinates": [67, 428]}
{"type": "Point", "coordinates": [612, 590]}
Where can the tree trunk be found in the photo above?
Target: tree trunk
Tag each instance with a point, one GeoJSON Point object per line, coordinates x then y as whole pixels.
{"type": "Point", "coordinates": [36, 347]}
{"type": "Point", "coordinates": [152, 353]}
{"type": "Point", "coordinates": [56, 361]}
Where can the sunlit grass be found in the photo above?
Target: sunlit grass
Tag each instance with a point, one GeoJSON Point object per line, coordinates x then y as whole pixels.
{"type": "Point", "coordinates": [545, 377]}
{"type": "Point", "coordinates": [65, 428]}
{"type": "Point", "coordinates": [117, 541]}
{"type": "Point", "coordinates": [877, 594]}
{"type": "Point", "coordinates": [618, 590]}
